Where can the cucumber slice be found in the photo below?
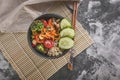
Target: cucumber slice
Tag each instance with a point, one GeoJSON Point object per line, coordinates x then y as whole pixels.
{"type": "Point", "coordinates": [68, 32]}
{"type": "Point", "coordinates": [65, 23]}
{"type": "Point", "coordinates": [66, 43]}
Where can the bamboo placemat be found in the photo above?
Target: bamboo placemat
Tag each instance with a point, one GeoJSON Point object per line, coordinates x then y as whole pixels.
{"type": "Point", "coordinates": [27, 64]}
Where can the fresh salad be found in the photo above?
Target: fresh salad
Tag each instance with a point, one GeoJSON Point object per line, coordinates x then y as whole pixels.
{"type": "Point", "coordinates": [52, 36]}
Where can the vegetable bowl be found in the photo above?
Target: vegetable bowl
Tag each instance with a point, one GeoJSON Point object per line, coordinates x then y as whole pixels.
{"type": "Point", "coordinates": [51, 36]}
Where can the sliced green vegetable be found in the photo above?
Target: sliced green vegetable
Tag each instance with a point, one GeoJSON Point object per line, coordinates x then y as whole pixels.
{"type": "Point", "coordinates": [66, 43]}
{"type": "Point", "coordinates": [65, 24]}
{"type": "Point", "coordinates": [37, 26]}
{"type": "Point", "coordinates": [68, 32]}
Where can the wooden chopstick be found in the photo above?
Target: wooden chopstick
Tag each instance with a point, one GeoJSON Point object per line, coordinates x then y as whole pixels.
{"type": "Point", "coordinates": [74, 15]}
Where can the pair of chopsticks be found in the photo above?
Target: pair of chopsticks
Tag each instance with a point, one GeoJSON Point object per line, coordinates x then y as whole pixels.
{"type": "Point", "coordinates": [74, 16]}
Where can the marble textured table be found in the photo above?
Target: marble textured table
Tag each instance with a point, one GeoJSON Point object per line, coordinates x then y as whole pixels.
{"type": "Point", "coordinates": [101, 18]}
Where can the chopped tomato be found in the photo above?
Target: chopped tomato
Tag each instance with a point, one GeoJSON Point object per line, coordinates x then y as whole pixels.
{"type": "Point", "coordinates": [33, 45]}
{"type": "Point", "coordinates": [48, 43]}
{"type": "Point", "coordinates": [44, 22]}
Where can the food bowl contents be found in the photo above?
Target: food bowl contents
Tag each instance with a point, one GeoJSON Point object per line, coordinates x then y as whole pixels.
{"type": "Point", "coordinates": [53, 36]}
{"type": "Point", "coordinates": [54, 51]}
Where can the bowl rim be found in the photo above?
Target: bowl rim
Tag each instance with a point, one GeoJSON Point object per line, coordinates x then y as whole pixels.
{"type": "Point", "coordinates": [30, 42]}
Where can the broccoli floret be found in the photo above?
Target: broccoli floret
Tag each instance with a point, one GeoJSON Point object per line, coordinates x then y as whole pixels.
{"type": "Point", "coordinates": [40, 48]}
